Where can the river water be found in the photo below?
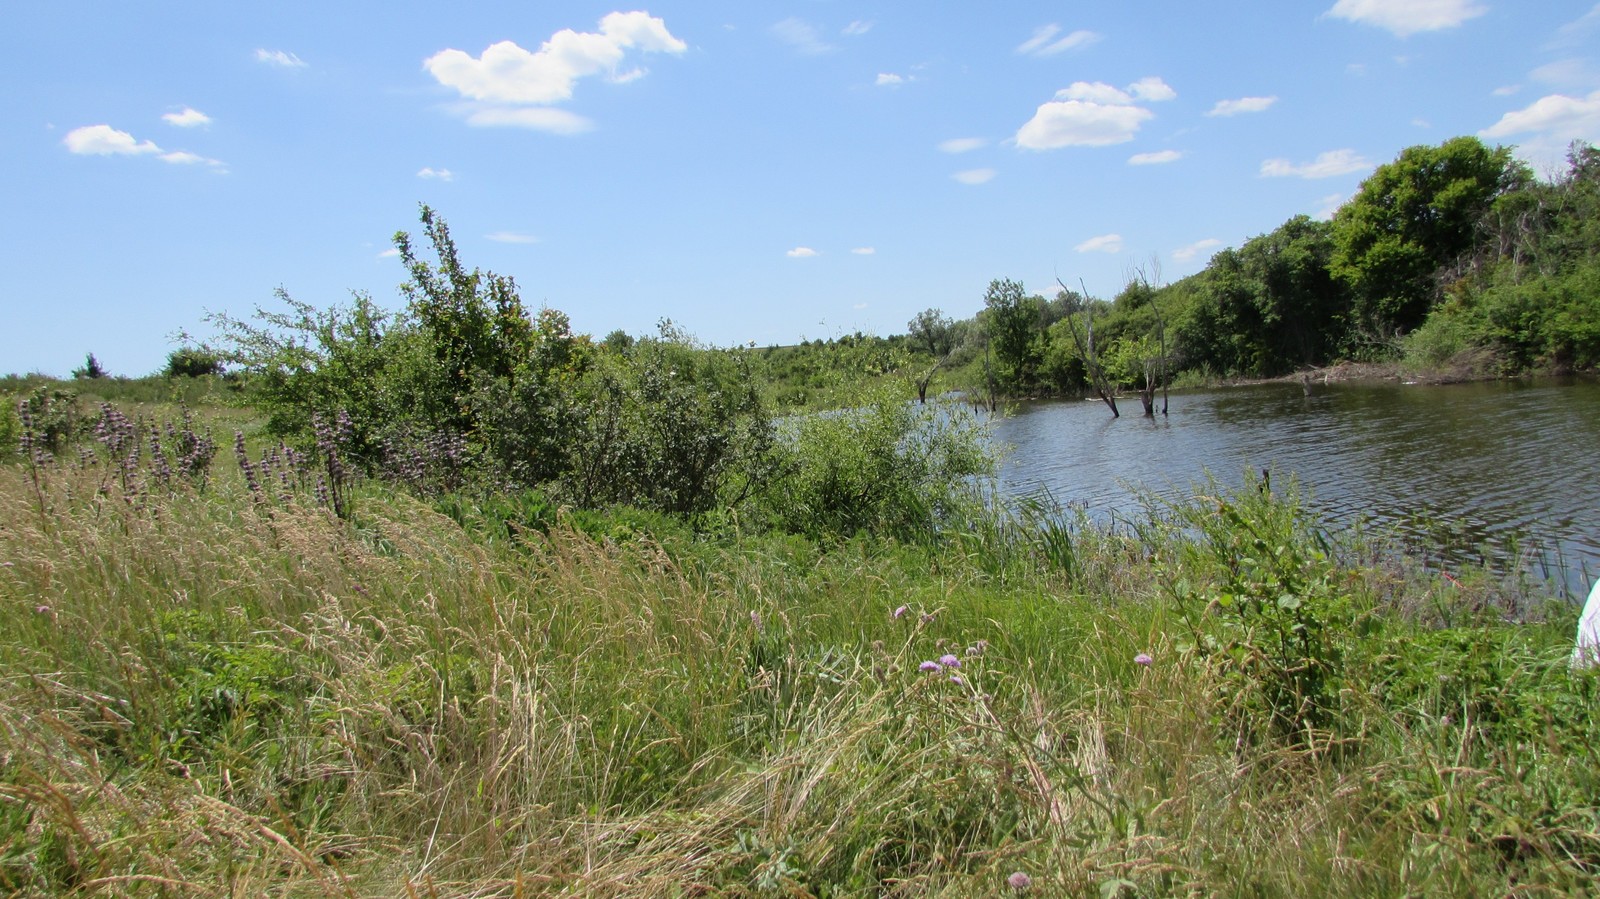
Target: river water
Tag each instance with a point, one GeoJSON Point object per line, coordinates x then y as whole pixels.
{"type": "Point", "coordinates": [1504, 471]}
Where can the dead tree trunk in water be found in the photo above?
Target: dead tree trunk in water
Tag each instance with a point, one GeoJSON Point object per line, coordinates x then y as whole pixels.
{"type": "Point", "coordinates": [1091, 359]}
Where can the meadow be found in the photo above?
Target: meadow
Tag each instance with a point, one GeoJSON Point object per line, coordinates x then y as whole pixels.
{"type": "Point", "coordinates": [233, 668]}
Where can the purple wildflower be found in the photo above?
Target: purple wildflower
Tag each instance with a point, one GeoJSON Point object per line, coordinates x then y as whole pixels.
{"type": "Point", "coordinates": [755, 619]}
{"type": "Point", "coordinates": [978, 648]}
{"type": "Point", "coordinates": [900, 612]}
{"type": "Point", "coordinates": [1144, 659]}
{"type": "Point", "coordinates": [1019, 881]}
{"type": "Point", "coordinates": [950, 660]}
{"type": "Point", "coordinates": [956, 679]}
{"type": "Point", "coordinates": [928, 666]}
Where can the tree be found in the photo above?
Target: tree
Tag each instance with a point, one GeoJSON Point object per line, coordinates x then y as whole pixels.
{"type": "Point", "coordinates": [192, 362]}
{"type": "Point", "coordinates": [1413, 217]}
{"type": "Point", "coordinates": [91, 369]}
{"type": "Point", "coordinates": [1013, 325]}
{"type": "Point", "coordinates": [935, 332]}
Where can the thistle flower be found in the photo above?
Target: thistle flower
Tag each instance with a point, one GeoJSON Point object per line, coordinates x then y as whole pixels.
{"type": "Point", "coordinates": [1019, 881]}
{"type": "Point", "coordinates": [900, 612]}
{"type": "Point", "coordinates": [950, 660]}
{"type": "Point", "coordinates": [1144, 659]}
{"type": "Point", "coordinates": [928, 666]}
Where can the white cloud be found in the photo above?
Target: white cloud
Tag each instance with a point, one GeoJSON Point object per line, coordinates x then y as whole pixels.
{"type": "Point", "coordinates": [1077, 123]}
{"type": "Point", "coordinates": [1327, 206]}
{"type": "Point", "coordinates": [104, 140]}
{"type": "Point", "coordinates": [1092, 114]}
{"type": "Point", "coordinates": [1043, 42]}
{"type": "Point", "coordinates": [1186, 253]}
{"type": "Point", "coordinates": [389, 253]}
{"type": "Point", "coordinates": [1506, 91]}
{"type": "Point", "coordinates": [864, 251]}
{"type": "Point", "coordinates": [511, 237]}
{"type": "Point", "coordinates": [974, 176]}
{"type": "Point", "coordinates": [1241, 105]}
{"type": "Point", "coordinates": [508, 74]}
{"type": "Point", "coordinates": [886, 79]}
{"type": "Point", "coordinates": [856, 28]}
{"type": "Point", "coordinates": [1326, 165]}
{"type": "Point", "coordinates": [189, 118]}
{"type": "Point", "coordinates": [801, 253]}
{"type": "Point", "coordinates": [859, 306]}
{"type": "Point", "coordinates": [437, 174]}
{"type": "Point", "coordinates": [800, 35]}
{"type": "Point", "coordinates": [280, 59]}
{"type": "Point", "coordinates": [962, 144]}
{"type": "Point", "coordinates": [1556, 117]}
{"type": "Point", "coordinates": [1152, 90]}
{"type": "Point", "coordinates": [1159, 157]}
{"type": "Point", "coordinates": [1577, 31]}
{"type": "Point", "coordinates": [1105, 243]}
{"type": "Point", "coordinates": [184, 157]}
{"type": "Point", "coordinates": [536, 118]}
{"type": "Point", "coordinates": [1406, 17]}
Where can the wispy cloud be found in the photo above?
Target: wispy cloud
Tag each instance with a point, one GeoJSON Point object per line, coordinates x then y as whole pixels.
{"type": "Point", "coordinates": [856, 29]}
{"type": "Point", "coordinates": [1328, 205]}
{"type": "Point", "coordinates": [389, 253]}
{"type": "Point", "coordinates": [962, 144]}
{"type": "Point", "coordinates": [1406, 17]}
{"type": "Point", "coordinates": [1092, 114]}
{"type": "Point", "coordinates": [1044, 41]}
{"type": "Point", "coordinates": [975, 176]}
{"type": "Point", "coordinates": [802, 36]}
{"type": "Point", "coordinates": [516, 237]}
{"type": "Point", "coordinates": [1557, 116]}
{"type": "Point", "coordinates": [1242, 105]}
{"type": "Point", "coordinates": [280, 58]}
{"type": "Point", "coordinates": [886, 79]}
{"type": "Point", "coordinates": [1186, 253]}
{"type": "Point", "coordinates": [189, 118]}
{"type": "Point", "coordinates": [436, 174]}
{"type": "Point", "coordinates": [509, 86]}
{"type": "Point", "coordinates": [104, 140]}
{"type": "Point", "coordinates": [1326, 165]}
{"type": "Point", "coordinates": [1105, 243]}
{"type": "Point", "coordinates": [801, 253]}
{"type": "Point", "coordinates": [1160, 157]}
{"type": "Point", "coordinates": [864, 251]}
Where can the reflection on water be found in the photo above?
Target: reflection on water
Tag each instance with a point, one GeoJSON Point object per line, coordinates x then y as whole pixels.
{"type": "Point", "coordinates": [1510, 471]}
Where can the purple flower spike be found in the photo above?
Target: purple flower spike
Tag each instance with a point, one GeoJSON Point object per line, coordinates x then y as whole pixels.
{"type": "Point", "coordinates": [1144, 659]}
{"type": "Point", "coordinates": [900, 612]}
{"type": "Point", "coordinates": [950, 660]}
{"type": "Point", "coordinates": [928, 666]}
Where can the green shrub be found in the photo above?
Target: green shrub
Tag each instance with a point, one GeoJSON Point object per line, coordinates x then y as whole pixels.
{"type": "Point", "coordinates": [886, 467]}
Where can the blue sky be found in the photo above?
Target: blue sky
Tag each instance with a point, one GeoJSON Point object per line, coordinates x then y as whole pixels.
{"type": "Point", "coordinates": [755, 171]}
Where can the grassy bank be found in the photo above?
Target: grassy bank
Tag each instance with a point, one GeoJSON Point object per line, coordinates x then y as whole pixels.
{"type": "Point", "coordinates": [206, 690]}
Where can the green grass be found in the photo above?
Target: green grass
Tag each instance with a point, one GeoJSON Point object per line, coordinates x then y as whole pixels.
{"type": "Point", "coordinates": [205, 694]}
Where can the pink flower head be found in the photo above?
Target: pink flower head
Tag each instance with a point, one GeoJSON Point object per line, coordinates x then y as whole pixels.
{"type": "Point", "coordinates": [928, 666]}
{"type": "Point", "coordinates": [956, 679]}
{"type": "Point", "coordinates": [900, 612]}
{"type": "Point", "coordinates": [1019, 881]}
{"type": "Point", "coordinates": [950, 660]}
{"type": "Point", "coordinates": [1144, 659]}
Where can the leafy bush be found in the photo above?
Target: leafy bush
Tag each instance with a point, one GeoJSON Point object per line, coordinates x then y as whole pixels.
{"type": "Point", "coordinates": [192, 362]}
{"type": "Point", "coordinates": [886, 467]}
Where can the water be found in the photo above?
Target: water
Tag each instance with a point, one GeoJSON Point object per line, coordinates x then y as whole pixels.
{"type": "Point", "coordinates": [1503, 471]}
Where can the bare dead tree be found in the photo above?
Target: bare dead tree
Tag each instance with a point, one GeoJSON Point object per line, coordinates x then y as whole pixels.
{"type": "Point", "coordinates": [1091, 359]}
{"type": "Point", "coordinates": [1150, 277]}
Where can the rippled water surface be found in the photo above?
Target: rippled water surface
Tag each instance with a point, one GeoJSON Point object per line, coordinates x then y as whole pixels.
{"type": "Point", "coordinates": [1506, 470]}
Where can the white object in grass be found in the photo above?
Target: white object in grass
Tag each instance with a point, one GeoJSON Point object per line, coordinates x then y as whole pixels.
{"type": "Point", "coordinates": [1587, 652]}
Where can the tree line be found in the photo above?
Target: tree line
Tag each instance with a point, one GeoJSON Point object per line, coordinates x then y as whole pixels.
{"type": "Point", "coordinates": [1449, 257]}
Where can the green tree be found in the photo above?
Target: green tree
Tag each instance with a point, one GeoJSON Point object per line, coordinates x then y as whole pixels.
{"type": "Point", "coordinates": [1412, 218]}
{"type": "Point", "coordinates": [91, 369]}
{"type": "Point", "coordinates": [1012, 321]}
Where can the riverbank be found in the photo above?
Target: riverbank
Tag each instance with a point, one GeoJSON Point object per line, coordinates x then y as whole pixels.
{"type": "Point", "coordinates": [216, 691]}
